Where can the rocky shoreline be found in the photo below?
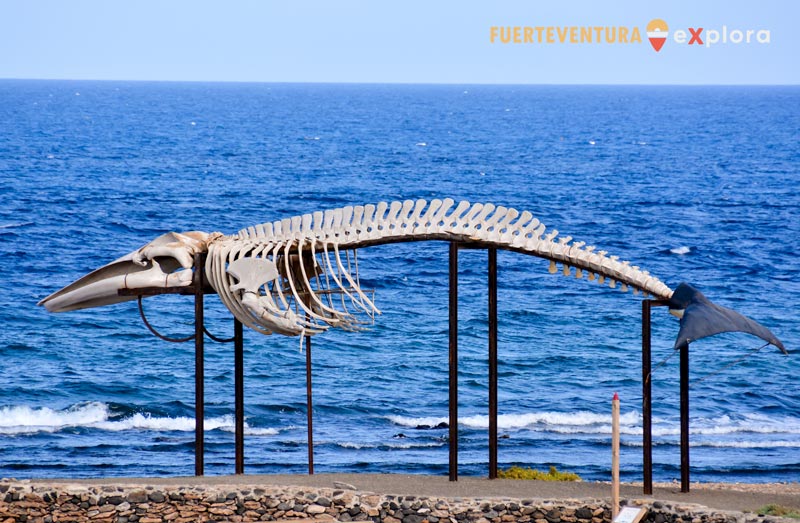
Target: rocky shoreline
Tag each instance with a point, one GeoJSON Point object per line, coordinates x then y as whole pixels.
{"type": "Point", "coordinates": [42, 502]}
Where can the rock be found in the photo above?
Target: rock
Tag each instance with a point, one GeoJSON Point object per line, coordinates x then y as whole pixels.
{"type": "Point", "coordinates": [344, 486]}
{"type": "Point", "coordinates": [157, 497]}
{"type": "Point", "coordinates": [137, 496]}
{"type": "Point", "coordinates": [371, 500]}
{"type": "Point", "coordinates": [345, 516]}
{"type": "Point", "coordinates": [553, 516]}
{"type": "Point", "coordinates": [583, 513]}
{"type": "Point", "coordinates": [315, 509]}
{"type": "Point", "coordinates": [323, 501]}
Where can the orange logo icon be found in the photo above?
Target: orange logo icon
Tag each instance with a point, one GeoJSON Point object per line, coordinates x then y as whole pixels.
{"type": "Point", "coordinates": [657, 32]}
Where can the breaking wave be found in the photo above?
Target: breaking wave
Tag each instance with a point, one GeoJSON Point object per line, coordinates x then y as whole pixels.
{"type": "Point", "coordinates": [23, 419]}
{"type": "Point", "coordinates": [584, 422]}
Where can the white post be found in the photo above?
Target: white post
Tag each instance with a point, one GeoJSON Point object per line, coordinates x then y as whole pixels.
{"type": "Point", "coordinates": [614, 456]}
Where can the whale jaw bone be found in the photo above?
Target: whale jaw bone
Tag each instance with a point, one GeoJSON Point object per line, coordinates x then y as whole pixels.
{"type": "Point", "coordinates": [165, 262]}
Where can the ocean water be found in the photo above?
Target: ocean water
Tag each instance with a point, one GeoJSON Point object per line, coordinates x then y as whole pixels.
{"type": "Point", "coordinates": [696, 184]}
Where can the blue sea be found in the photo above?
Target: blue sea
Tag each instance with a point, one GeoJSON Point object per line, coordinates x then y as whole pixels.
{"type": "Point", "coordinates": [695, 184]}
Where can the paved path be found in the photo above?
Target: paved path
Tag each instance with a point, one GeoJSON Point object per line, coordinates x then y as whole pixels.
{"type": "Point", "coordinates": [725, 497]}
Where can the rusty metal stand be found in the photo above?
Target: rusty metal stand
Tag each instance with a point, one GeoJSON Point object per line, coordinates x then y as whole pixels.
{"type": "Point", "coordinates": [199, 368]}
{"type": "Point", "coordinates": [492, 363]}
{"type": "Point", "coordinates": [685, 418]}
{"type": "Point", "coordinates": [309, 411]}
{"type": "Point", "coordinates": [647, 396]}
{"type": "Point", "coordinates": [238, 363]}
{"type": "Point", "coordinates": [453, 361]}
{"type": "Point", "coordinates": [198, 289]}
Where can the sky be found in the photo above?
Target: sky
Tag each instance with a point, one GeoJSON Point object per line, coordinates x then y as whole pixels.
{"type": "Point", "coordinates": [384, 41]}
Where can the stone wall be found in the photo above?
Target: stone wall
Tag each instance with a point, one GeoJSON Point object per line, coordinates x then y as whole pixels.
{"type": "Point", "coordinates": [34, 503]}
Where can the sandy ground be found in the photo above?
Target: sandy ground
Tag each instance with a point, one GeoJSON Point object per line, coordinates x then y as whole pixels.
{"type": "Point", "coordinates": [723, 496]}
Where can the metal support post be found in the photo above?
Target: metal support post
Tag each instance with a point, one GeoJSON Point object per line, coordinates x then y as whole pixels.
{"type": "Point", "coordinates": [492, 363]}
{"type": "Point", "coordinates": [453, 361]}
{"type": "Point", "coordinates": [647, 405]}
{"type": "Point", "coordinates": [238, 356]}
{"type": "Point", "coordinates": [685, 418]}
{"type": "Point", "coordinates": [309, 409]}
{"type": "Point", "coordinates": [199, 373]}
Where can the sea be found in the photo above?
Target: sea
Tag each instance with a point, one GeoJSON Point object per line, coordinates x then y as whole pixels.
{"type": "Point", "coordinates": [696, 184]}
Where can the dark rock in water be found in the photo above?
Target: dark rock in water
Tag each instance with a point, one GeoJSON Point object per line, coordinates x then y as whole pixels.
{"type": "Point", "coordinates": [504, 436]}
{"type": "Point", "coordinates": [399, 436]}
{"type": "Point", "coordinates": [422, 427]}
{"type": "Point", "coordinates": [442, 425]}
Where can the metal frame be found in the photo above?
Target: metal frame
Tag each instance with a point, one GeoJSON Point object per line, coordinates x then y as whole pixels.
{"type": "Point", "coordinates": [647, 410]}
{"type": "Point", "coordinates": [199, 288]}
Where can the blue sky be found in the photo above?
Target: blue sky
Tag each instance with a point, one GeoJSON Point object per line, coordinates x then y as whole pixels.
{"type": "Point", "coordinates": [411, 41]}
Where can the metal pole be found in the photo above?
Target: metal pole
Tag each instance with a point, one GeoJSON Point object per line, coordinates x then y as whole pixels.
{"type": "Point", "coordinates": [685, 418]}
{"type": "Point", "coordinates": [199, 374]}
{"type": "Point", "coordinates": [492, 363]}
{"type": "Point", "coordinates": [308, 408]}
{"type": "Point", "coordinates": [453, 361]}
{"type": "Point", "coordinates": [647, 406]}
{"type": "Point", "coordinates": [238, 356]}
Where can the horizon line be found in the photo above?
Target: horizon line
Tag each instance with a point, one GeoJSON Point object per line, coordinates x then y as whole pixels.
{"type": "Point", "coordinates": [407, 83]}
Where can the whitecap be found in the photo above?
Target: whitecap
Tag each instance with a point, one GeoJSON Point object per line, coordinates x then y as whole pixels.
{"type": "Point", "coordinates": [681, 250]}
{"type": "Point", "coordinates": [23, 419]}
{"type": "Point", "coordinates": [547, 421]}
{"type": "Point", "coordinates": [15, 225]}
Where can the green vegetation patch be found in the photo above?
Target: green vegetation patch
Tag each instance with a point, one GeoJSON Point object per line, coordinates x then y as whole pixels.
{"type": "Point", "coordinates": [778, 510]}
{"type": "Point", "coordinates": [529, 473]}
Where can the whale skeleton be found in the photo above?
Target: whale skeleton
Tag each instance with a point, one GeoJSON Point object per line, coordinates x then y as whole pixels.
{"type": "Point", "coordinates": [299, 276]}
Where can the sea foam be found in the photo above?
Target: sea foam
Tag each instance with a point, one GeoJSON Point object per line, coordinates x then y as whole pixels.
{"type": "Point", "coordinates": [22, 419]}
